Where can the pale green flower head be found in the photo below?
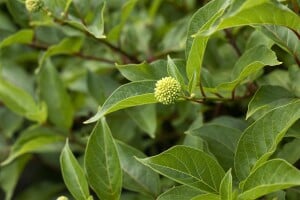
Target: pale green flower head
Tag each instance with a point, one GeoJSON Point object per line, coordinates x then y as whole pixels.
{"type": "Point", "coordinates": [167, 90]}
{"type": "Point", "coordinates": [34, 5]}
{"type": "Point", "coordinates": [62, 198]}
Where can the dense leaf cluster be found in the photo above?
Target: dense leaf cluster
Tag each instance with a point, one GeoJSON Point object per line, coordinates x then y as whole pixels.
{"type": "Point", "coordinates": [82, 88]}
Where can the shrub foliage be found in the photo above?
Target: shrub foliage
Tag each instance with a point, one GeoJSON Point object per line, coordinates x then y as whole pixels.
{"type": "Point", "coordinates": [150, 99]}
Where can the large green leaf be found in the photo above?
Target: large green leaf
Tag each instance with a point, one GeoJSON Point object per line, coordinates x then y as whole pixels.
{"type": "Point", "coordinates": [258, 13]}
{"type": "Point", "coordinates": [10, 174]}
{"type": "Point", "coordinates": [53, 92]}
{"type": "Point", "coordinates": [290, 151]}
{"type": "Point", "coordinates": [9, 122]}
{"type": "Point", "coordinates": [247, 13]}
{"type": "Point", "coordinates": [57, 7]}
{"type": "Point", "coordinates": [221, 141]}
{"type": "Point", "coordinates": [18, 12]}
{"type": "Point", "coordinates": [271, 176]}
{"type": "Point", "coordinates": [174, 72]}
{"type": "Point", "coordinates": [91, 18]}
{"type": "Point", "coordinates": [144, 71]}
{"type": "Point", "coordinates": [226, 187]}
{"type": "Point", "coordinates": [188, 166]}
{"type": "Point", "coordinates": [24, 36]}
{"type": "Point", "coordinates": [128, 95]}
{"type": "Point", "coordinates": [207, 197]}
{"type": "Point", "coordinates": [35, 139]}
{"type": "Point", "coordinates": [249, 64]}
{"type": "Point", "coordinates": [260, 139]}
{"type": "Point", "coordinates": [294, 131]}
{"type": "Point", "coordinates": [73, 174]}
{"type": "Point", "coordinates": [100, 86]}
{"type": "Point", "coordinates": [283, 37]}
{"type": "Point", "coordinates": [21, 102]}
{"type": "Point", "coordinates": [182, 192]}
{"type": "Point", "coordinates": [136, 176]}
{"type": "Point", "coordinates": [114, 34]}
{"type": "Point", "coordinates": [102, 163]}
{"type": "Point", "coordinates": [66, 46]}
{"type": "Point", "coordinates": [195, 47]}
{"type": "Point", "coordinates": [268, 97]}
{"type": "Point", "coordinates": [145, 118]}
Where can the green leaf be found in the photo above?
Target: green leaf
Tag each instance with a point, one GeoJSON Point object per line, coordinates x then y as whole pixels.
{"type": "Point", "coordinates": [193, 83]}
{"type": "Point", "coordinates": [66, 46]}
{"type": "Point", "coordinates": [128, 95]}
{"type": "Point", "coordinates": [114, 34]}
{"type": "Point", "coordinates": [24, 36]}
{"type": "Point", "coordinates": [268, 97]}
{"type": "Point", "coordinates": [145, 118]}
{"type": "Point", "coordinates": [91, 17]}
{"type": "Point", "coordinates": [207, 197]}
{"type": "Point", "coordinates": [35, 139]}
{"type": "Point", "coordinates": [188, 166]}
{"type": "Point", "coordinates": [271, 176]}
{"type": "Point", "coordinates": [294, 75]}
{"type": "Point", "coordinates": [283, 37]}
{"type": "Point", "coordinates": [100, 86]}
{"type": "Point", "coordinates": [258, 13]}
{"type": "Point", "coordinates": [102, 163]}
{"type": "Point", "coordinates": [203, 18]}
{"type": "Point", "coordinates": [175, 73]}
{"type": "Point", "coordinates": [144, 71]}
{"type": "Point", "coordinates": [18, 12]}
{"type": "Point", "coordinates": [73, 174]}
{"type": "Point", "coordinates": [22, 103]}
{"type": "Point", "coordinates": [96, 27]}
{"type": "Point", "coordinates": [9, 122]}
{"type": "Point", "coordinates": [47, 189]}
{"type": "Point", "coordinates": [258, 38]}
{"type": "Point", "coordinates": [221, 141]}
{"type": "Point", "coordinates": [260, 139]}
{"type": "Point", "coordinates": [10, 174]}
{"type": "Point", "coordinates": [182, 192]}
{"type": "Point", "coordinates": [195, 48]}
{"type": "Point", "coordinates": [53, 92]}
{"type": "Point", "coordinates": [290, 151]}
{"type": "Point", "coordinates": [249, 64]}
{"type": "Point", "coordinates": [136, 176]}
{"type": "Point", "coordinates": [294, 131]}
{"type": "Point", "coordinates": [174, 40]}
{"type": "Point", "coordinates": [226, 187]}
{"type": "Point", "coordinates": [58, 7]}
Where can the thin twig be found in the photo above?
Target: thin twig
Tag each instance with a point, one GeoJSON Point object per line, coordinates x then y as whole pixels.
{"type": "Point", "coordinates": [295, 6]}
{"type": "Point", "coordinates": [202, 91]}
{"type": "Point", "coordinates": [218, 95]}
{"type": "Point", "coordinates": [232, 41]}
{"type": "Point", "coordinates": [89, 57]}
{"type": "Point", "coordinates": [233, 94]}
{"type": "Point", "coordinates": [297, 60]}
{"type": "Point", "coordinates": [77, 54]}
{"type": "Point", "coordinates": [120, 51]}
{"type": "Point", "coordinates": [116, 49]}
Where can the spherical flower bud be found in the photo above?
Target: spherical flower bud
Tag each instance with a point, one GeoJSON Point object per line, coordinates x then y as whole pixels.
{"type": "Point", "coordinates": [62, 198]}
{"type": "Point", "coordinates": [34, 5]}
{"type": "Point", "coordinates": [167, 90]}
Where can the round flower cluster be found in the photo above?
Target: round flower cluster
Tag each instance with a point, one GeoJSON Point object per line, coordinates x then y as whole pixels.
{"type": "Point", "coordinates": [34, 5]}
{"type": "Point", "coordinates": [62, 198]}
{"type": "Point", "coordinates": [167, 90]}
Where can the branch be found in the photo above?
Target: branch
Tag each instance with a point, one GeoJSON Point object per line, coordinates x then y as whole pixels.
{"type": "Point", "coordinates": [77, 54]}
{"type": "Point", "coordinates": [116, 49]}
{"type": "Point", "coordinates": [232, 41]}
{"type": "Point", "coordinates": [297, 60]}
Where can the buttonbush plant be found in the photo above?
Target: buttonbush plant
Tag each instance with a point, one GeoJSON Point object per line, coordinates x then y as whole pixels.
{"type": "Point", "coordinates": [144, 100]}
